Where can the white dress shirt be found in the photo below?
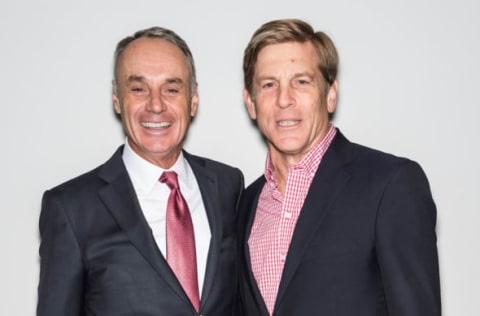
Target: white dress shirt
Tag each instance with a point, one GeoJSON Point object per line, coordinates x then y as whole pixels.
{"type": "Point", "coordinates": [153, 197]}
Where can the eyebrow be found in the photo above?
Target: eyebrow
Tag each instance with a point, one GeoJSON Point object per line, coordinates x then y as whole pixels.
{"type": "Point", "coordinates": [136, 78]}
{"type": "Point", "coordinates": [266, 78]}
{"type": "Point", "coordinates": [296, 75]}
{"type": "Point", "coordinates": [174, 80]}
{"type": "Point", "coordinates": [304, 74]}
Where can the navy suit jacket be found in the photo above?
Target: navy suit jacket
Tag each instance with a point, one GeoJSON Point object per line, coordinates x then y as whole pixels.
{"type": "Point", "coordinates": [98, 255]}
{"type": "Point", "coordinates": [364, 243]}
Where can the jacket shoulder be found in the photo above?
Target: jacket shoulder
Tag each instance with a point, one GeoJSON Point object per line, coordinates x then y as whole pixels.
{"type": "Point", "coordinates": [378, 160]}
{"type": "Point", "coordinates": [215, 166]}
{"type": "Point", "coordinates": [90, 180]}
{"type": "Point", "coordinates": [85, 183]}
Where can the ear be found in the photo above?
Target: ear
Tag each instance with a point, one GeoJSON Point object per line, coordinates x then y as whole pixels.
{"type": "Point", "coordinates": [194, 104]}
{"type": "Point", "coordinates": [332, 96]}
{"type": "Point", "coordinates": [115, 98]}
{"type": "Point", "coordinates": [250, 104]}
{"type": "Point", "coordinates": [116, 103]}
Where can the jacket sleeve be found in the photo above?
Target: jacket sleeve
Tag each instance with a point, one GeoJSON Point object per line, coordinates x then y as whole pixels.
{"type": "Point", "coordinates": [406, 244]}
{"type": "Point", "coordinates": [61, 282]}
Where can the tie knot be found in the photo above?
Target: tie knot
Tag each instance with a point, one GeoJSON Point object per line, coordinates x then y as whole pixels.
{"type": "Point", "coordinates": [170, 179]}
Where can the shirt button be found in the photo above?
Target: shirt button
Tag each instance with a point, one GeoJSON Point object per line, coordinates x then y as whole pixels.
{"type": "Point", "coordinates": [287, 215]}
{"type": "Point", "coordinates": [282, 257]}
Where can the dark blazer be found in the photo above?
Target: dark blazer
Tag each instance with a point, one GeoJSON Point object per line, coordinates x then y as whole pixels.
{"type": "Point", "coordinates": [98, 255]}
{"type": "Point", "coordinates": [364, 243]}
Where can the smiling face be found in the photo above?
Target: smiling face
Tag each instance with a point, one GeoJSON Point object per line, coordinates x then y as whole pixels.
{"type": "Point", "coordinates": [154, 99]}
{"type": "Point", "coordinates": [289, 100]}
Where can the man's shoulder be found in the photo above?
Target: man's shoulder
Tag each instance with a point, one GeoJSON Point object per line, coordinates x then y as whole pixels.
{"type": "Point", "coordinates": [377, 158]}
{"type": "Point", "coordinates": [343, 148]}
{"type": "Point", "coordinates": [210, 163]}
{"type": "Point", "coordinates": [87, 181]}
{"type": "Point", "coordinates": [375, 153]}
{"type": "Point", "coordinates": [83, 180]}
{"type": "Point", "coordinates": [377, 164]}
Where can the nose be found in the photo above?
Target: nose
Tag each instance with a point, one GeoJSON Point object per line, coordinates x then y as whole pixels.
{"type": "Point", "coordinates": [156, 104]}
{"type": "Point", "coordinates": [285, 96]}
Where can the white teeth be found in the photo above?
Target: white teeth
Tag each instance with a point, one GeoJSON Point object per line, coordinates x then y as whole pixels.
{"type": "Point", "coordinates": [287, 123]}
{"type": "Point", "coordinates": [156, 125]}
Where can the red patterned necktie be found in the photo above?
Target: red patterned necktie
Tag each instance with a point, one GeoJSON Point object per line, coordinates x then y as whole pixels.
{"type": "Point", "coordinates": [180, 239]}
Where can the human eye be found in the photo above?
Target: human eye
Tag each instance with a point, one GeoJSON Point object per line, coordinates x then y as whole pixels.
{"type": "Point", "coordinates": [171, 89]}
{"type": "Point", "coordinates": [139, 89]}
{"type": "Point", "coordinates": [267, 85]}
{"type": "Point", "coordinates": [302, 81]}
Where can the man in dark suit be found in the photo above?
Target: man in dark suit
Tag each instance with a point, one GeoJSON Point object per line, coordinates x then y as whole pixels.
{"type": "Point", "coordinates": [332, 228]}
{"type": "Point", "coordinates": [105, 244]}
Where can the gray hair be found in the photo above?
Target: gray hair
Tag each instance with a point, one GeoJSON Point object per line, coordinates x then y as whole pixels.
{"type": "Point", "coordinates": [160, 33]}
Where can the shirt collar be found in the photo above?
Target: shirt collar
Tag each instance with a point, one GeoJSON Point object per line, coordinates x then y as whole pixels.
{"type": "Point", "coordinates": [308, 164]}
{"type": "Point", "coordinates": [145, 175]}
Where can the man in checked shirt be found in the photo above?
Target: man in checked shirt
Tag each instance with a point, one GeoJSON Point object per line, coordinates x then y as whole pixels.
{"type": "Point", "coordinates": [332, 227]}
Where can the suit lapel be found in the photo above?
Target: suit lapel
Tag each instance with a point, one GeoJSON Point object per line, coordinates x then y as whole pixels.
{"type": "Point", "coordinates": [121, 201]}
{"type": "Point", "coordinates": [330, 179]}
{"type": "Point", "coordinates": [249, 204]}
{"type": "Point", "coordinates": [207, 181]}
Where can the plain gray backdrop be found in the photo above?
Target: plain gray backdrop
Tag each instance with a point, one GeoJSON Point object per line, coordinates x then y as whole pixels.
{"type": "Point", "coordinates": [409, 84]}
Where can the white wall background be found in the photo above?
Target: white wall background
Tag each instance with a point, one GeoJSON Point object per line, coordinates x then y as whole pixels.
{"type": "Point", "coordinates": [409, 85]}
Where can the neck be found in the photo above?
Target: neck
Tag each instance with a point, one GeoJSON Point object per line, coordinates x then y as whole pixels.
{"type": "Point", "coordinates": [281, 163]}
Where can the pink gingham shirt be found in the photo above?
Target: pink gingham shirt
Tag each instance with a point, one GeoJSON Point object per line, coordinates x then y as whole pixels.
{"type": "Point", "coordinates": [277, 216]}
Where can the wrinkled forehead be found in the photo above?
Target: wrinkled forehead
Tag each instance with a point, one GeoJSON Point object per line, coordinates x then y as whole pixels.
{"type": "Point", "coordinates": [151, 58]}
{"type": "Point", "coordinates": [282, 56]}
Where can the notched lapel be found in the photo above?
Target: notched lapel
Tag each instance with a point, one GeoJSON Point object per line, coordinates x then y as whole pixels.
{"type": "Point", "coordinates": [331, 178]}
{"type": "Point", "coordinates": [208, 183]}
{"type": "Point", "coordinates": [120, 200]}
{"type": "Point", "coordinates": [249, 204]}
